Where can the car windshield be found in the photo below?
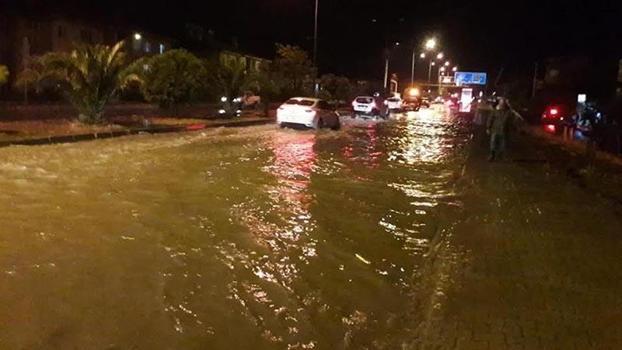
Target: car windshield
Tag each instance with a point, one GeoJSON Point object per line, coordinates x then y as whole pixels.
{"type": "Point", "coordinates": [364, 100]}
{"type": "Point", "coordinates": [306, 103]}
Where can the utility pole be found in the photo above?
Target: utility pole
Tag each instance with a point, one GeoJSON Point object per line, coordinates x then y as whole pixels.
{"type": "Point", "coordinates": [386, 71]}
{"type": "Point", "coordinates": [412, 72]}
{"type": "Point", "coordinates": [316, 86]}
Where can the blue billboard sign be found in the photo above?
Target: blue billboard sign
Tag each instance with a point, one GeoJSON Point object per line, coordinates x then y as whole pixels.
{"type": "Point", "coordinates": [470, 78]}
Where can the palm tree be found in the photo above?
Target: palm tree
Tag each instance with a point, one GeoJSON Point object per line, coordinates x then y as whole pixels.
{"type": "Point", "coordinates": [90, 76]}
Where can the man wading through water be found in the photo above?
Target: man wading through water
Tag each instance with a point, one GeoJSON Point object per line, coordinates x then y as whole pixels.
{"type": "Point", "coordinates": [498, 127]}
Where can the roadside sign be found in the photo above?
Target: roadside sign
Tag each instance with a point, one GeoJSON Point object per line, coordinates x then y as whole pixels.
{"type": "Point", "coordinates": [581, 98]}
{"type": "Point", "coordinates": [470, 78]}
{"type": "Point", "coordinates": [466, 97]}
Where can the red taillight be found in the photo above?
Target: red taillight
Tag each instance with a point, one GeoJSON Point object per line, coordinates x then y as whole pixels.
{"type": "Point", "coordinates": [550, 128]}
{"type": "Point", "coordinates": [554, 111]}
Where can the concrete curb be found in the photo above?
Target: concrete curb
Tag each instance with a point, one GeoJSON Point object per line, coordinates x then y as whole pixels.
{"type": "Point", "coordinates": [134, 131]}
{"type": "Point", "coordinates": [574, 146]}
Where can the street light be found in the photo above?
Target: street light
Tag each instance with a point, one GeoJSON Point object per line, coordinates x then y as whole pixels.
{"type": "Point", "coordinates": [422, 56]}
{"type": "Point", "coordinates": [386, 64]}
{"type": "Point", "coordinates": [447, 64]}
{"type": "Point", "coordinates": [455, 69]}
{"type": "Point", "coordinates": [430, 44]}
{"type": "Point", "coordinates": [137, 36]}
{"type": "Point", "coordinates": [440, 56]}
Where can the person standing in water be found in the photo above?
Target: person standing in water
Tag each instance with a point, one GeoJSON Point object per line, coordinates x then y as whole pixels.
{"type": "Point", "coordinates": [498, 127]}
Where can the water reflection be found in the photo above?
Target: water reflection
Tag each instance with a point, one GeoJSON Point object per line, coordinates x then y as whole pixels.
{"type": "Point", "coordinates": [365, 147]}
{"type": "Point", "coordinates": [422, 139]}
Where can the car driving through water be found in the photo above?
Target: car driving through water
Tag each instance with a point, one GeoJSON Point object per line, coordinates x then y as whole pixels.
{"type": "Point", "coordinates": [307, 112]}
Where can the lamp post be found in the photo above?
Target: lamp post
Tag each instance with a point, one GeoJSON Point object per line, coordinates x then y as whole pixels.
{"type": "Point", "coordinates": [386, 64]}
{"type": "Point", "coordinates": [412, 72]}
{"type": "Point", "coordinates": [430, 45]}
{"type": "Point", "coordinates": [317, 7]}
{"type": "Point", "coordinates": [432, 64]}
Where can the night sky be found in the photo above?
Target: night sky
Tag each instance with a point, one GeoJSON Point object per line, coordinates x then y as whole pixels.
{"type": "Point", "coordinates": [478, 35]}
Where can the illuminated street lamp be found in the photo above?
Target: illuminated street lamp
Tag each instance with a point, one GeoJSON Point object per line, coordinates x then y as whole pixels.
{"type": "Point", "coordinates": [440, 56]}
{"type": "Point", "coordinates": [455, 69]}
{"type": "Point", "coordinates": [422, 56]}
{"type": "Point", "coordinates": [447, 64]}
{"type": "Point", "coordinates": [430, 44]}
{"type": "Point", "coordinates": [137, 36]}
{"type": "Point", "coordinates": [386, 63]}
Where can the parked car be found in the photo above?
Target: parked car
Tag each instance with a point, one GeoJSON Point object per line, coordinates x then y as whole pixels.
{"type": "Point", "coordinates": [555, 114]}
{"type": "Point", "coordinates": [307, 112]}
{"type": "Point", "coordinates": [366, 106]}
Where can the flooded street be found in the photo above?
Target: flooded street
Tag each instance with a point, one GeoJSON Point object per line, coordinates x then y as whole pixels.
{"type": "Point", "coordinates": [262, 238]}
{"type": "Point", "coordinates": [256, 238]}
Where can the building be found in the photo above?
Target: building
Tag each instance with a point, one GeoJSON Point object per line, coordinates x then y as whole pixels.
{"type": "Point", "coordinates": [23, 38]}
{"type": "Point", "coordinates": [253, 64]}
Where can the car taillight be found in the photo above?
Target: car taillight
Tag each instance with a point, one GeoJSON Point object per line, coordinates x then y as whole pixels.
{"type": "Point", "coordinates": [554, 111]}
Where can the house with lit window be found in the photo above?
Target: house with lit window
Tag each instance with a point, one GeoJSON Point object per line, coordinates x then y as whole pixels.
{"type": "Point", "coordinates": [23, 38]}
{"type": "Point", "coordinates": [252, 63]}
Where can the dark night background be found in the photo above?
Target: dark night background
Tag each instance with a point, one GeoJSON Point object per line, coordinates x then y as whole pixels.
{"type": "Point", "coordinates": [478, 35]}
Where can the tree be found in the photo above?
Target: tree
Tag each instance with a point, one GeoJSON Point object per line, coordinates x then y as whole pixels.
{"type": "Point", "coordinates": [228, 80]}
{"type": "Point", "coordinates": [173, 78]}
{"type": "Point", "coordinates": [293, 69]}
{"type": "Point", "coordinates": [33, 78]}
{"type": "Point", "coordinates": [339, 88]}
{"type": "Point", "coordinates": [90, 76]}
{"type": "Point", "coordinates": [4, 75]}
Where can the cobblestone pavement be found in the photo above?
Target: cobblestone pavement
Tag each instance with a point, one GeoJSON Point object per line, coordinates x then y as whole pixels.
{"type": "Point", "coordinates": [532, 263]}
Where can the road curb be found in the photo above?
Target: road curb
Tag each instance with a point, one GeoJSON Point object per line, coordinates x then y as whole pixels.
{"type": "Point", "coordinates": [50, 140]}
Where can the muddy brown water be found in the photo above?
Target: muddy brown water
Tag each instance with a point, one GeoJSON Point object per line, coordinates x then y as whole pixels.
{"type": "Point", "coordinates": [257, 238]}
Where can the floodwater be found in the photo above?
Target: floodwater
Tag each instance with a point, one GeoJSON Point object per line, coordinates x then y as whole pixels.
{"type": "Point", "coordinates": [255, 238]}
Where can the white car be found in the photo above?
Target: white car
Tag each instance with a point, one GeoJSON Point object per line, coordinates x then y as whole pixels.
{"type": "Point", "coordinates": [307, 112]}
{"type": "Point", "coordinates": [366, 105]}
{"type": "Point", "coordinates": [394, 104]}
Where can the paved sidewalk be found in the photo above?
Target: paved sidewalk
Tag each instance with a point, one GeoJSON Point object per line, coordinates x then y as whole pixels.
{"type": "Point", "coordinates": [533, 261]}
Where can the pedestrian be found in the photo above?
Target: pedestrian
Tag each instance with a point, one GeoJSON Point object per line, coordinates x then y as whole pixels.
{"type": "Point", "coordinates": [498, 127]}
{"type": "Point", "coordinates": [570, 124]}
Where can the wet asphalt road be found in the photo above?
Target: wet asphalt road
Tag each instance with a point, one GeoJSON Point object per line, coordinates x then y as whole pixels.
{"type": "Point", "coordinates": [382, 235]}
